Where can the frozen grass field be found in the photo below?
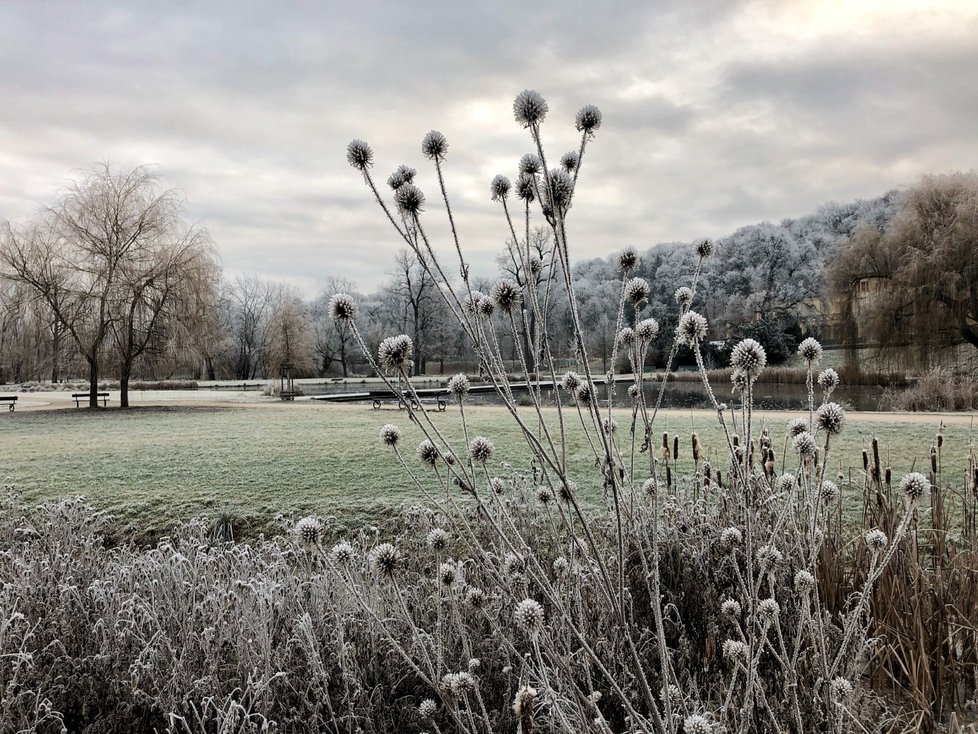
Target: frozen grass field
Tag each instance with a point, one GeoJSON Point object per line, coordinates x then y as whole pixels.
{"type": "Point", "coordinates": [154, 466]}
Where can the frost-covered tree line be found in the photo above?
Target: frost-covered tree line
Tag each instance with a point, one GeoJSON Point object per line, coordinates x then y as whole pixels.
{"type": "Point", "coordinates": [245, 327]}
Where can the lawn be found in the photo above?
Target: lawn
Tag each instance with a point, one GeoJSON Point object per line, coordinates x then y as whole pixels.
{"type": "Point", "coordinates": [154, 466]}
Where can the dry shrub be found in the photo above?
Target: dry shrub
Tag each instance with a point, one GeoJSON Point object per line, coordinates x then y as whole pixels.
{"type": "Point", "coordinates": [937, 390]}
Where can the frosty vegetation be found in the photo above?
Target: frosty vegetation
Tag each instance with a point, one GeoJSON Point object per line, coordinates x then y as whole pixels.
{"type": "Point", "coordinates": [729, 599]}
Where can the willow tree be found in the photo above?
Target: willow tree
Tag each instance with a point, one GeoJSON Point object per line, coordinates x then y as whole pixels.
{"type": "Point", "coordinates": [911, 289]}
{"type": "Point", "coordinates": [110, 258]}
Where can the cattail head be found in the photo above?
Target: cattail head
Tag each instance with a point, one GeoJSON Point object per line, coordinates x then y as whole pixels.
{"type": "Point", "coordinates": [499, 187]}
{"type": "Point", "coordinates": [402, 175]}
{"type": "Point", "coordinates": [876, 540]}
{"type": "Point", "coordinates": [523, 702]}
{"type": "Point", "coordinates": [647, 329]}
{"type": "Point", "coordinates": [480, 449]}
{"type": "Point", "coordinates": [385, 559]}
{"type": "Point", "coordinates": [692, 328]}
{"type": "Point", "coordinates": [683, 296]}
{"type": "Point", "coordinates": [390, 434]}
{"type": "Point", "coordinates": [342, 307]}
{"type": "Point", "coordinates": [637, 290]}
{"type": "Point", "coordinates": [914, 486]}
{"type": "Point", "coordinates": [810, 350]}
{"type": "Point", "coordinates": [628, 260]}
{"type": "Point", "coordinates": [528, 616]}
{"type": "Point", "coordinates": [804, 582]}
{"type": "Point", "coordinates": [529, 108]}
{"type": "Point", "coordinates": [588, 119]}
{"type": "Point", "coordinates": [409, 199]}
{"type": "Point", "coordinates": [359, 155]}
{"type": "Point", "coordinates": [458, 386]}
{"type": "Point", "coordinates": [395, 352]}
{"type": "Point", "coordinates": [831, 418]}
{"type": "Point", "coordinates": [428, 453]}
{"type": "Point", "coordinates": [704, 248]}
{"type": "Point", "coordinates": [749, 357]}
{"type": "Point", "coordinates": [569, 161]}
{"type": "Point", "coordinates": [309, 529]}
{"type": "Point", "coordinates": [434, 145]}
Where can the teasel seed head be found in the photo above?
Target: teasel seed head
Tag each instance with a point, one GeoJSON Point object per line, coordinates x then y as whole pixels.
{"type": "Point", "coordinates": [876, 540]}
{"type": "Point", "coordinates": [647, 329]}
{"type": "Point", "coordinates": [749, 357]}
{"type": "Point", "coordinates": [507, 295]}
{"type": "Point", "coordinates": [402, 175]}
{"type": "Point", "coordinates": [499, 187]}
{"type": "Point", "coordinates": [309, 529]}
{"type": "Point", "coordinates": [914, 486]}
{"type": "Point", "coordinates": [459, 386]}
{"type": "Point", "coordinates": [359, 155]}
{"type": "Point", "coordinates": [434, 145]}
{"type": "Point", "coordinates": [588, 119]}
{"type": "Point", "coordinates": [529, 616]}
{"type": "Point", "coordinates": [530, 108]}
{"type": "Point", "coordinates": [385, 559]}
{"type": "Point", "coordinates": [692, 328]}
{"type": "Point", "coordinates": [704, 248]}
{"type": "Point", "coordinates": [395, 352]}
{"type": "Point", "coordinates": [480, 449]}
{"type": "Point", "coordinates": [810, 350]}
{"type": "Point", "coordinates": [683, 296]}
{"type": "Point", "coordinates": [831, 418]}
{"type": "Point", "coordinates": [342, 307]}
{"type": "Point", "coordinates": [390, 434]}
{"type": "Point", "coordinates": [628, 260]}
{"type": "Point", "coordinates": [569, 161]}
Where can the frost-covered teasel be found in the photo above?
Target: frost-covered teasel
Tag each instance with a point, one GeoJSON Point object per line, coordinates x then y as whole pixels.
{"type": "Point", "coordinates": [914, 486]}
{"type": "Point", "coordinates": [359, 155]}
{"type": "Point", "coordinates": [529, 616]}
{"type": "Point", "coordinates": [434, 145]}
{"type": "Point", "coordinates": [647, 329]}
{"type": "Point", "coordinates": [876, 540]}
{"type": "Point", "coordinates": [499, 187]}
{"type": "Point", "coordinates": [395, 352]}
{"type": "Point", "coordinates": [309, 529]}
{"type": "Point", "coordinates": [409, 200]}
{"type": "Point", "coordinates": [697, 724]}
{"type": "Point", "coordinates": [530, 165]}
{"type": "Point", "coordinates": [526, 188]}
{"type": "Point", "coordinates": [749, 357]}
{"type": "Point", "coordinates": [828, 379]}
{"type": "Point", "coordinates": [569, 161]}
{"type": "Point", "coordinates": [390, 434]}
{"type": "Point", "coordinates": [692, 328]}
{"type": "Point", "coordinates": [786, 483]}
{"type": "Point", "coordinates": [797, 426]}
{"type": "Point", "coordinates": [810, 350]}
{"type": "Point", "coordinates": [459, 386]}
{"type": "Point", "coordinates": [570, 381]}
{"type": "Point", "coordinates": [427, 709]}
{"type": "Point", "coordinates": [637, 290]}
{"type": "Point", "coordinates": [437, 539]}
{"type": "Point", "coordinates": [507, 295]}
{"type": "Point", "coordinates": [804, 582]}
{"type": "Point", "coordinates": [628, 260]}
{"type": "Point", "coordinates": [428, 453]}
{"type": "Point", "coordinates": [480, 449]}
{"type": "Point", "coordinates": [768, 610]}
{"type": "Point", "coordinates": [342, 307]}
{"type": "Point", "coordinates": [530, 108]}
{"type": "Point", "coordinates": [402, 175]}
{"type": "Point", "coordinates": [626, 337]}
{"type": "Point", "coordinates": [384, 560]}
{"type": "Point", "coordinates": [735, 651]}
{"type": "Point", "coordinates": [683, 296]}
{"type": "Point", "coordinates": [829, 491]}
{"type": "Point", "coordinates": [805, 444]}
{"type": "Point", "coordinates": [588, 119]}
{"type": "Point", "coordinates": [730, 608]}
{"type": "Point", "coordinates": [831, 418]}
{"type": "Point", "coordinates": [704, 248]}
{"type": "Point", "coordinates": [731, 538]}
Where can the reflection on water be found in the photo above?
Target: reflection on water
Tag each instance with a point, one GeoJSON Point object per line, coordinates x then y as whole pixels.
{"type": "Point", "coordinates": [678, 395]}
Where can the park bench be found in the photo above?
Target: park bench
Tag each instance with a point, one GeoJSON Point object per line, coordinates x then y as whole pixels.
{"type": "Point", "coordinates": [401, 405]}
{"type": "Point", "coordinates": [288, 394]}
{"type": "Point", "coordinates": [11, 401]}
{"type": "Point", "coordinates": [79, 396]}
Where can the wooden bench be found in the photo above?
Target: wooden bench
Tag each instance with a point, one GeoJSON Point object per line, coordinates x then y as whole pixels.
{"type": "Point", "coordinates": [11, 401]}
{"type": "Point", "coordinates": [79, 396]}
{"type": "Point", "coordinates": [288, 395]}
{"type": "Point", "coordinates": [414, 404]}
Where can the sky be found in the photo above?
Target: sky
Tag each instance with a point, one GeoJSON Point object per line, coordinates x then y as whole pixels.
{"type": "Point", "coordinates": [716, 113]}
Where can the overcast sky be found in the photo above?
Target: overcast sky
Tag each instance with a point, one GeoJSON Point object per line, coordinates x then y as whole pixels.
{"type": "Point", "coordinates": [716, 113]}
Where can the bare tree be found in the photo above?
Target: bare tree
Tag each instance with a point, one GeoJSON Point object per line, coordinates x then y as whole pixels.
{"type": "Point", "coordinates": [289, 340]}
{"type": "Point", "coordinates": [413, 296]}
{"type": "Point", "coordinates": [333, 340]}
{"type": "Point", "coordinates": [105, 259]}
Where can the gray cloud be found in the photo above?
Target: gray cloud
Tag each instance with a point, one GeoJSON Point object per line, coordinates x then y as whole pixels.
{"type": "Point", "coordinates": [717, 114]}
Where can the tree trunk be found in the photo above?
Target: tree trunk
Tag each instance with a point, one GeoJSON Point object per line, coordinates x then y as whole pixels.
{"type": "Point", "coordinates": [209, 367]}
{"type": "Point", "coordinates": [93, 382]}
{"type": "Point", "coordinates": [56, 353]}
{"type": "Point", "coordinates": [124, 386]}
